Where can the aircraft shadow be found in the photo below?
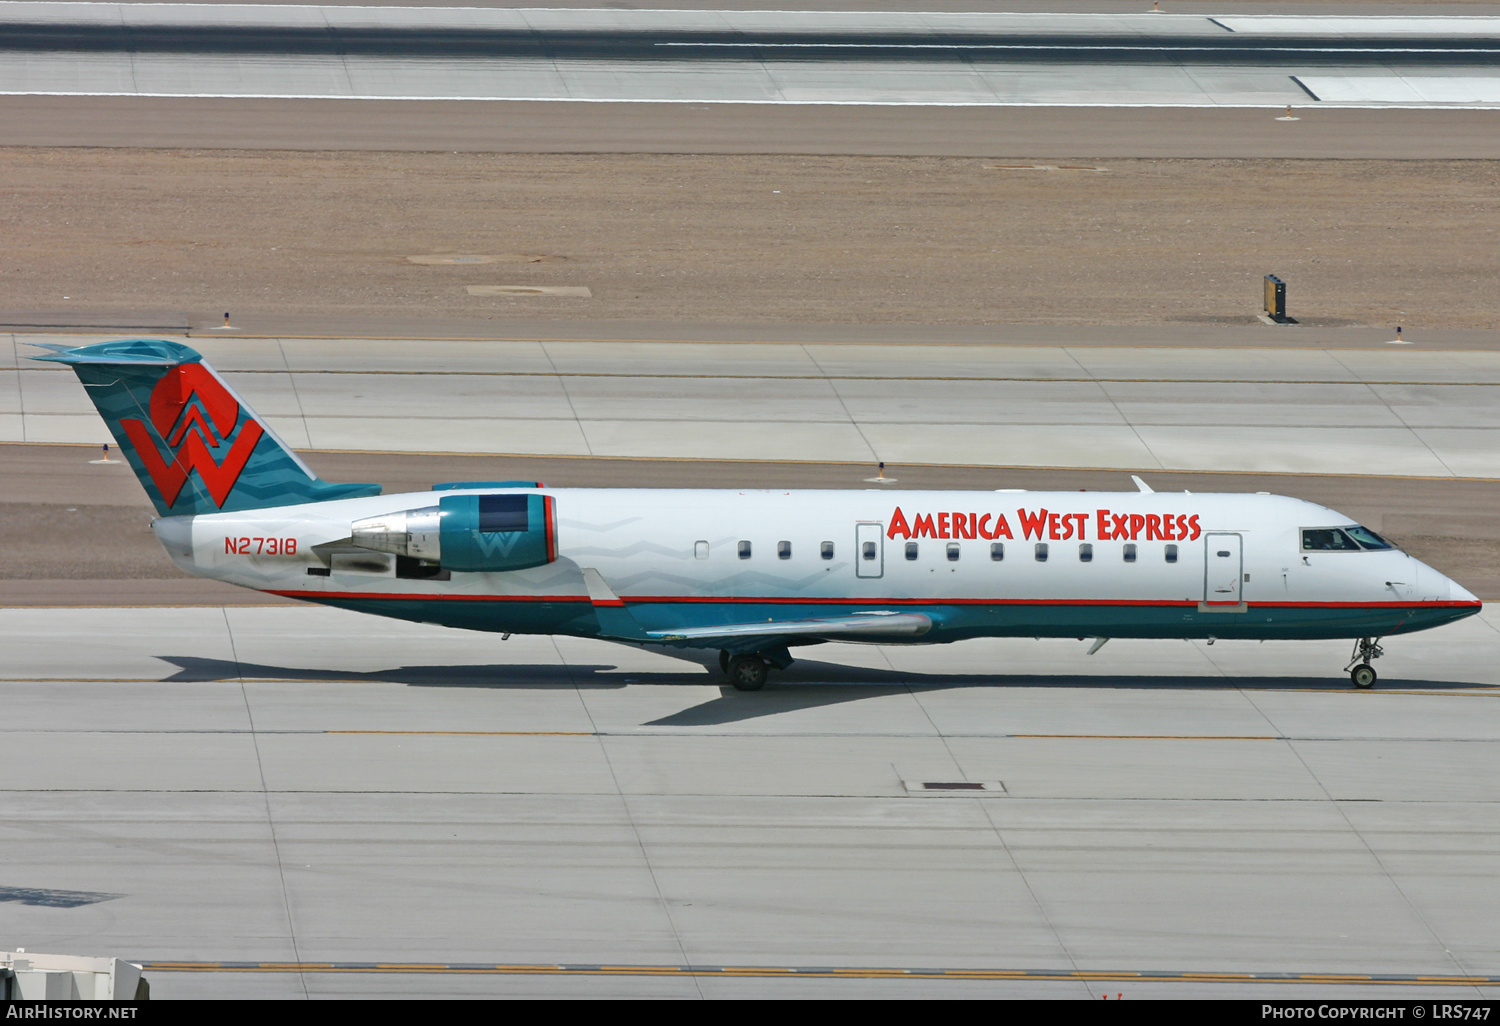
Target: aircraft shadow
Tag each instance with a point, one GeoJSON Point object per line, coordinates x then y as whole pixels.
{"type": "Point", "coordinates": [808, 684]}
{"type": "Point", "coordinates": [49, 898]}
{"type": "Point", "coordinates": [502, 675]}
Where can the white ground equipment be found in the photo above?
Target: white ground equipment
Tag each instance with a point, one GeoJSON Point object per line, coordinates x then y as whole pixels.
{"type": "Point", "coordinates": [26, 976]}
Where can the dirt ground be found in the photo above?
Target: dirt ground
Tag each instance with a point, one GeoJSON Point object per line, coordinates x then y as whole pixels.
{"type": "Point", "coordinates": [751, 239]}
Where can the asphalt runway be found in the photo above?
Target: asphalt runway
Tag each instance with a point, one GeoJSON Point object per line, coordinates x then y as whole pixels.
{"type": "Point", "coordinates": [517, 43]}
{"type": "Point", "coordinates": [202, 786]}
{"type": "Point", "coordinates": [720, 81]}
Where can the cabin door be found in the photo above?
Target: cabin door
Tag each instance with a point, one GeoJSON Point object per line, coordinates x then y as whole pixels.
{"type": "Point", "coordinates": [869, 550]}
{"type": "Point", "coordinates": [1223, 569]}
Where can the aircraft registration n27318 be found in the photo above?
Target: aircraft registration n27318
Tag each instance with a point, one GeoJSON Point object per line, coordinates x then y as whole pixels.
{"type": "Point", "coordinates": [752, 573]}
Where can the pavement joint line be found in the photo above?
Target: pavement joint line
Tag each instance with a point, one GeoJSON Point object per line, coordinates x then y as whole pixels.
{"type": "Point", "coordinates": [1028, 468]}
{"type": "Point", "coordinates": [293, 732]}
{"type": "Point", "coordinates": [826, 972]}
{"type": "Point", "coordinates": [1339, 105]}
{"type": "Point", "coordinates": [800, 795]}
{"type": "Point", "coordinates": [469, 733]}
{"type": "Point", "coordinates": [1309, 348]}
{"type": "Point", "coordinates": [743, 376]}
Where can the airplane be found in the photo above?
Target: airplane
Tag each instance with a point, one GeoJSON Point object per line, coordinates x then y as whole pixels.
{"type": "Point", "coordinates": [753, 573]}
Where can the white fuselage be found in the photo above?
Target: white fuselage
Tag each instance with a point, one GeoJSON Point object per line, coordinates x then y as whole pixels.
{"type": "Point", "coordinates": [1151, 564]}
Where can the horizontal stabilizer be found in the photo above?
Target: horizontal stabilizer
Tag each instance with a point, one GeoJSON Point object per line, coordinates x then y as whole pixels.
{"type": "Point", "coordinates": [877, 624]}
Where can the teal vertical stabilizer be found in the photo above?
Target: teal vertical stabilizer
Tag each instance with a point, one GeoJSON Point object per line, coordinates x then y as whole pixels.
{"type": "Point", "coordinates": [196, 446]}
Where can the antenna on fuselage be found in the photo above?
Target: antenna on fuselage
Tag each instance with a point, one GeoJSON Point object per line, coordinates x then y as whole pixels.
{"type": "Point", "coordinates": [1143, 486]}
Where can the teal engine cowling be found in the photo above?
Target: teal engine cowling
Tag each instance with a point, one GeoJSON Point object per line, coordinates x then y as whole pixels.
{"type": "Point", "coordinates": [475, 533]}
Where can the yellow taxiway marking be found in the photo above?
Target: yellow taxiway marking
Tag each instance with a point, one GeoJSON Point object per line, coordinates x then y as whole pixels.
{"type": "Point", "coordinates": [822, 972]}
{"type": "Point", "coordinates": [471, 733]}
{"type": "Point", "coordinates": [1158, 737]}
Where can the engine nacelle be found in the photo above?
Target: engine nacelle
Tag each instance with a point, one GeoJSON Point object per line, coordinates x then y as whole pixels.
{"type": "Point", "coordinates": [468, 532]}
{"type": "Point", "coordinates": [409, 532]}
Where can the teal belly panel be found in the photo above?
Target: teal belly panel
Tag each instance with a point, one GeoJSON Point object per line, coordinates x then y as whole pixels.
{"type": "Point", "coordinates": [951, 622]}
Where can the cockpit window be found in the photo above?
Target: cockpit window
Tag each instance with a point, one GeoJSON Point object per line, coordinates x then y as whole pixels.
{"type": "Point", "coordinates": [1368, 538]}
{"type": "Point", "coordinates": [1327, 539]}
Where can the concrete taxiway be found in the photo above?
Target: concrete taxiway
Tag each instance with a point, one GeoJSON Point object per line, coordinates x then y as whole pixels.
{"type": "Point", "coordinates": [274, 801]}
{"type": "Point", "coordinates": [189, 787]}
{"type": "Point", "coordinates": [1388, 410]}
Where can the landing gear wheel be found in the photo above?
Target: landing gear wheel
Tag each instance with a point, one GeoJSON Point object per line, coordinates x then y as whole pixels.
{"type": "Point", "coordinates": [724, 660]}
{"type": "Point", "coordinates": [747, 673]}
{"type": "Point", "coordinates": [1359, 669]}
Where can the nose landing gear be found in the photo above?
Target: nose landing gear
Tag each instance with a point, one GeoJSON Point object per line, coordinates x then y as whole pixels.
{"type": "Point", "coordinates": [1361, 673]}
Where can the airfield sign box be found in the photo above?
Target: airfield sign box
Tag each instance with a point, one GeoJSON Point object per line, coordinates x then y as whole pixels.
{"type": "Point", "coordinates": [1275, 298]}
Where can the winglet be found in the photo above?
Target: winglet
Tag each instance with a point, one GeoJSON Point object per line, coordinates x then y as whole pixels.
{"type": "Point", "coordinates": [1143, 486]}
{"type": "Point", "coordinates": [614, 619]}
{"type": "Point", "coordinates": [600, 593]}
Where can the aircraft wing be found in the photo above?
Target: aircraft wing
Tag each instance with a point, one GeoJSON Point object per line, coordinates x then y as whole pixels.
{"type": "Point", "coordinates": [617, 622]}
{"type": "Point", "coordinates": [881, 623]}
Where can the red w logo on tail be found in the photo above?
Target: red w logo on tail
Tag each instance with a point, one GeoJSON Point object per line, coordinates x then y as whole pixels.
{"type": "Point", "coordinates": [183, 428]}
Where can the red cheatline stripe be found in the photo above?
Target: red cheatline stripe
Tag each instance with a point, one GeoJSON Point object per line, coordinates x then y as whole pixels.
{"type": "Point", "coordinates": [880, 601]}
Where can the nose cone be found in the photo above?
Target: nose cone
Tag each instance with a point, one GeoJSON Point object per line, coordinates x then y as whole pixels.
{"type": "Point", "coordinates": [1433, 586]}
{"type": "Point", "coordinates": [1458, 593]}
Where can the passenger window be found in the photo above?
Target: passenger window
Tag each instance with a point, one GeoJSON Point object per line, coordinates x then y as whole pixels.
{"type": "Point", "coordinates": [1171, 553]}
{"type": "Point", "coordinates": [1041, 552]}
{"type": "Point", "coordinates": [911, 550]}
{"type": "Point", "coordinates": [1085, 553]}
{"type": "Point", "coordinates": [783, 550]}
{"type": "Point", "coordinates": [953, 552]}
{"type": "Point", "coordinates": [1327, 539]}
{"type": "Point", "coordinates": [700, 550]}
{"type": "Point", "coordinates": [1130, 552]}
{"type": "Point", "coordinates": [744, 550]}
{"type": "Point", "coordinates": [997, 551]}
{"type": "Point", "coordinates": [826, 551]}
{"type": "Point", "coordinates": [869, 552]}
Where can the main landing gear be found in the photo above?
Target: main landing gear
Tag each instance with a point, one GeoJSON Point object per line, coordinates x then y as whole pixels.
{"type": "Point", "coordinates": [746, 672]}
{"type": "Point", "coordinates": [1361, 673]}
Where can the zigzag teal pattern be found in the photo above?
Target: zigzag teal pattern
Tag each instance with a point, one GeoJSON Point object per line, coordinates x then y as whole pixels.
{"type": "Point", "coordinates": [120, 378]}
